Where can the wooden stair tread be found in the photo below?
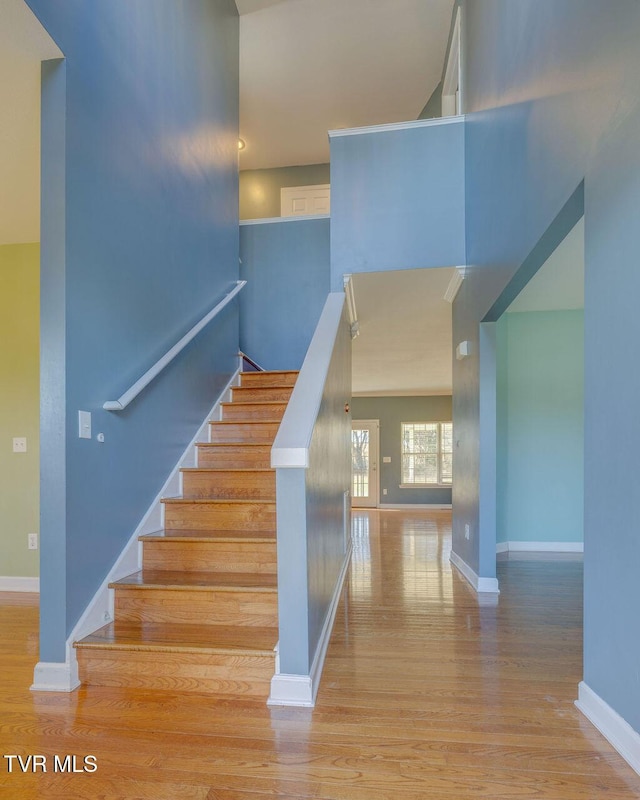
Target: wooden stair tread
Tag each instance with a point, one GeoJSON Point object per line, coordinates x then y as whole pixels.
{"type": "Point", "coordinates": [195, 581]}
{"type": "Point", "coordinates": [269, 386]}
{"type": "Point", "coordinates": [273, 393]}
{"type": "Point", "coordinates": [231, 444]}
{"type": "Point", "coordinates": [254, 403]}
{"type": "Point", "coordinates": [193, 534]}
{"type": "Point", "coordinates": [218, 500]}
{"type": "Point", "coordinates": [172, 637]}
{"type": "Point", "coordinates": [269, 421]}
{"type": "Point", "coordinates": [215, 562]}
{"type": "Point", "coordinates": [273, 372]}
{"type": "Point", "coordinates": [214, 470]}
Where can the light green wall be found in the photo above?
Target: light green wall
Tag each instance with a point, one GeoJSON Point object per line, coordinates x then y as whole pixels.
{"type": "Point", "coordinates": [19, 407]}
{"type": "Point", "coordinates": [540, 469]}
{"type": "Point", "coordinates": [260, 188]}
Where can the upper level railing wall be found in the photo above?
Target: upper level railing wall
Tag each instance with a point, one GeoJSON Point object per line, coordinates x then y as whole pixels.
{"type": "Point", "coordinates": [397, 197]}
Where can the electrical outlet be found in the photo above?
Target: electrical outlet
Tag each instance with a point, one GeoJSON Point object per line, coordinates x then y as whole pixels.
{"type": "Point", "coordinates": [467, 531]}
{"type": "Point", "coordinates": [32, 539]}
{"type": "Point", "coordinates": [19, 444]}
{"type": "Point", "coordinates": [384, 491]}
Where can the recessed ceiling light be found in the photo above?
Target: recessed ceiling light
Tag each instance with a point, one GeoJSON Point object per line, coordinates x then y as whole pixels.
{"type": "Point", "coordinates": [241, 144]}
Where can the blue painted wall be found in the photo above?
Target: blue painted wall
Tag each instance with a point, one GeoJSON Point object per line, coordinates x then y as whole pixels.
{"type": "Point", "coordinates": [150, 195]}
{"type": "Point", "coordinates": [397, 200]}
{"type": "Point", "coordinates": [392, 412]}
{"type": "Point", "coordinates": [552, 99]}
{"type": "Point", "coordinates": [311, 524]}
{"type": "Point", "coordinates": [541, 491]}
{"type": "Point", "coordinates": [325, 489]}
{"type": "Point", "coordinates": [286, 265]}
{"type": "Point", "coordinates": [612, 387]}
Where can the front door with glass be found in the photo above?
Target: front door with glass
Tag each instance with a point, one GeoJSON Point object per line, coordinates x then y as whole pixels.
{"type": "Point", "coordinates": [364, 463]}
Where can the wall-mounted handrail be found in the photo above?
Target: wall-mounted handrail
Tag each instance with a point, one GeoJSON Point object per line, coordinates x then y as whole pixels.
{"type": "Point", "coordinates": [122, 402]}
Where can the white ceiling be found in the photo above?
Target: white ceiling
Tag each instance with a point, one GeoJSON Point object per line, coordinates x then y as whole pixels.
{"type": "Point", "coordinates": [405, 341]}
{"type": "Point", "coordinates": [559, 283]}
{"type": "Point", "coordinates": [309, 66]}
{"type": "Point", "coordinates": [23, 45]}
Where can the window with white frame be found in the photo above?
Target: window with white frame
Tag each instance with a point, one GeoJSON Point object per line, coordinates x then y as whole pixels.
{"type": "Point", "coordinates": [427, 453]}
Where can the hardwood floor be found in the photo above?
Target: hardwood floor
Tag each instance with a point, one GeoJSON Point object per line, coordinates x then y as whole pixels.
{"type": "Point", "coordinates": [426, 695]}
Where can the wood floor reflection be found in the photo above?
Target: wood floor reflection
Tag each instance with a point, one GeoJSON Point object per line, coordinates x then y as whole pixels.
{"type": "Point", "coordinates": [426, 694]}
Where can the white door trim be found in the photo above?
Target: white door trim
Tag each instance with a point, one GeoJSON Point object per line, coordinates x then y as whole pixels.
{"type": "Point", "coordinates": [373, 425]}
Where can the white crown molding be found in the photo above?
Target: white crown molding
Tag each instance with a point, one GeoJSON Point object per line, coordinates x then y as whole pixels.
{"type": "Point", "coordinates": [454, 284]}
{"type": "Point", "coordinates": [272, 220]}
{"type": "Point", "coordinates": [301, 690]}
{"type": "Point", "coordinates": [19, 584]}
{"type": "Point", "coordinates": [396, 126]}
{"type": "Point", "coordinates": [481, 585]}
{"type": "Point", "coordinates": [611, 725]}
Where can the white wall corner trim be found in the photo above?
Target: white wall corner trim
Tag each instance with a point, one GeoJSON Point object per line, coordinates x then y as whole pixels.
{"type": "Point", "coordinates": [271, 220]}
{"type": "Point", "coordinates": [100, 610]}
{"type": "Point", "coordinates": [11, 584]}
{"type": "Point", "coordinates": [55, 677]}
{"type": "Point", "coordinates": [454, 284]}
{"type": "Point", "coordinates": [611, 725]}
{"type": "Point", "coordinates": [351, 305]}
{"type": "Point", "coordinates": [301, 690]}
{"type": "Point", "coordinates": [540, 547]}
{"type": "Point", "coordinates": [481, 585]}
{"type": "Point", "coordinates": [396, 126]}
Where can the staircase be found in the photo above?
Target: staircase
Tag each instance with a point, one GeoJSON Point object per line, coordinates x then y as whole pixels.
{"type": "Point", "coordinates": [202, 614]}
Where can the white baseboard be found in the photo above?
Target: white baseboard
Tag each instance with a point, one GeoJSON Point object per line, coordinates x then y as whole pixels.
{"type": "Point", "coordinates": [540, 547]}
{"type": "Point", "coordinates": [611, 725]}
{"type": "Point", "coordinates": [291, 690]}
{"type": "Point", "coordinates": [100, 609]}
{"type": "Point", "coordinates": [54, 677]}
{"type": "Point", "coordinates": [416, 506]}
{"type": "Point", "coordinates": [481, 585]}
{"type": "Point", "coordinates": [10, 584]}
{"type": "Point", "coordinates": [301, 690]}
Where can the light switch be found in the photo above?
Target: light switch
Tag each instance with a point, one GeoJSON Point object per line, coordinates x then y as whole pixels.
{"type": "Point", "coordinates": [386, 459]}
{"type": "Point", "coordinates": [84, 424]}
{"type": "Point", "coordinates": [20, 444]}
